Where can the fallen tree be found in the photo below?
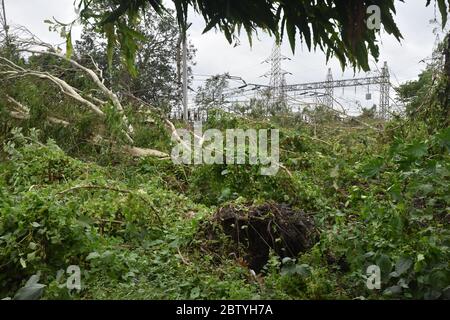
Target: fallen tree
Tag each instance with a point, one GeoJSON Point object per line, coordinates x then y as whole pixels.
{"type": "Point", "coordinates": [93, 101]}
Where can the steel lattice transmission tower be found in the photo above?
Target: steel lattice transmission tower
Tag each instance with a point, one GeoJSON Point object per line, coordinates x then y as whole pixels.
{"type": "Point", "coordinates": [329, 90]}
{"type": "Point", "coordinates": [277, 76]}
{"type": "Point", "coordinates": [385, 85]}
{"type": "Point", "coordinates": [323, 91]}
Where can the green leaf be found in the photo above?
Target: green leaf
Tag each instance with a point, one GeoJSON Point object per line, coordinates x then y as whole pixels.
{"type": "Point", "coordinates": [287, 260]}
{"type": "Point", "coordinates": [443, 138]}
{"type": "Point", "coordinates": [303, 270]}
{"type": "Point", "coordinates": [385, 264]}
{"type": "Point", "coordinates": [335, 172]}
{"type": "Point", "coordinates": [426, 188]}
{"type": "Point", "coordinates": [416, 150]}
{"type": "Point", "coordinates": [85, 221]}
{"type": "Point", "coordinates": [291, 29]}
{"type": "Point", "coordinates": [403, 265]}
{"type": "Point", "coordinates": [212, 23]}
{"type": "Point", "coordinates": [373, 168]}
{"type": "Point", "coordinates": [195, 293]}
{"type": "Point", "coordinates": [93, 255]}
{"type": "Point", "coordinates": [111, 37]}
{"type": "Point", "coordinates": [444, 12]}
{"type": "Point", "coordinates": [438, 279]}
{"type": "Point", "coordinates": [32, 290]}
{"type": "Point", "coordinates": [394, 290]}
{"type": "Point", "coordinates": [420, 263]}
{"type": "Point", "coordinates": [31, 256]}
{"type": "Point", "coordinates": [34, 279]}
{"type": "Point", "coordinates": [69, 45]}
{"type": "Point", "coordinates": [395, 192]}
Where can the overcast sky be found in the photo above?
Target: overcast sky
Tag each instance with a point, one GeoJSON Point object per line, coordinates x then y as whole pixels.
{"type": "Point", "coordinates": [215, 55]}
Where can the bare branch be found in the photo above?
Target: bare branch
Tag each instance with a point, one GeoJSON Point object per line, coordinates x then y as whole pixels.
{"type": "Point", "coordinates": [94, 77]}
{"type": "Point", "coordinates": [141, 152]}
{"type": "Point", "coordinates": [98, 82]}
{"type": "Point", "coordinates": [21, 107]}
{"type": "Point", "coordinates": [100, 72]}
{"type": "Point", "coordinates": [23, 113]}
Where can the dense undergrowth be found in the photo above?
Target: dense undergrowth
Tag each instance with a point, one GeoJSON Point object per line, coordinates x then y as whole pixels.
{"type": "Point", "coordinates": [136, 228]}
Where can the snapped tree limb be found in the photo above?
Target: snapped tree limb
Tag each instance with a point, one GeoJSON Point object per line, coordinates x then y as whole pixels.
{"type": "Point", "coordinates": [23, 113]}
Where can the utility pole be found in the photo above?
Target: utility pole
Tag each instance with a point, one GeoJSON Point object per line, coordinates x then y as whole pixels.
{"type": "Point", "coordinates": [446, 97]}
{"type": "Point", "coordinates": [185, 77]}
{"type": "Point", "coordinates": [385, 84]}
{"type": "Point", "coordinates": [5, 24]}
{"type": "Point", "coordinates": [447, 59]}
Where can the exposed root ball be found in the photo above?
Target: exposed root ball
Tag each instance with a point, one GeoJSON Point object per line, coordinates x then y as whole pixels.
{"type": "Point", "coordinates": [259, 228]}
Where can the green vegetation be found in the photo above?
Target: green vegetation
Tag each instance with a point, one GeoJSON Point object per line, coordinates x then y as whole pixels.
{"type": "Point", "coordinates": [86, 178]}
{"type": "Point", "coordinates": [135, 227]}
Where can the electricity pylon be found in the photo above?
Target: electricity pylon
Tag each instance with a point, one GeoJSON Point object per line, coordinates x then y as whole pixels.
{"type": "Point", "coordinates": [329, 90]}
{"type": "Point", "coordinates": [277, 76]}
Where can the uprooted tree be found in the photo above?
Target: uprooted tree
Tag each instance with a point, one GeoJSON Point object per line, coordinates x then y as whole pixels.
{"type": "Point", "coordinates": [98, 101]}
{"type": "Point", "coordinates": [64, 81]}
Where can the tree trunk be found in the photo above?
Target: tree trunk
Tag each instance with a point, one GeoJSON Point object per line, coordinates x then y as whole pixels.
{"type": "Point", "coordinates": [447, 76]}
{"type": "Point", "coordinates": [447, 61]}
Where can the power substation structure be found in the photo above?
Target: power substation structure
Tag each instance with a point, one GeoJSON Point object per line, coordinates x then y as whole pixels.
{"type": "Point", "coordinates": [383, 80]}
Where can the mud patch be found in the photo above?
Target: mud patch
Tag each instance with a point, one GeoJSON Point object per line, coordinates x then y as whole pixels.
{"type": "Point", "coordinates": [269, 226]}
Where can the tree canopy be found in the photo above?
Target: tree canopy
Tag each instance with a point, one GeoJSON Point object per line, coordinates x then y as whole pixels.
{"type": "Point", "coordinates": [157, 62]}
{"type": "Point", "coordinates": [338, 28]}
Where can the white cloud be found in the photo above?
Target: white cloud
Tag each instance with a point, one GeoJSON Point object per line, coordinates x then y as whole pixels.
{"type": "Point", "coordinates": [32, 13]}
